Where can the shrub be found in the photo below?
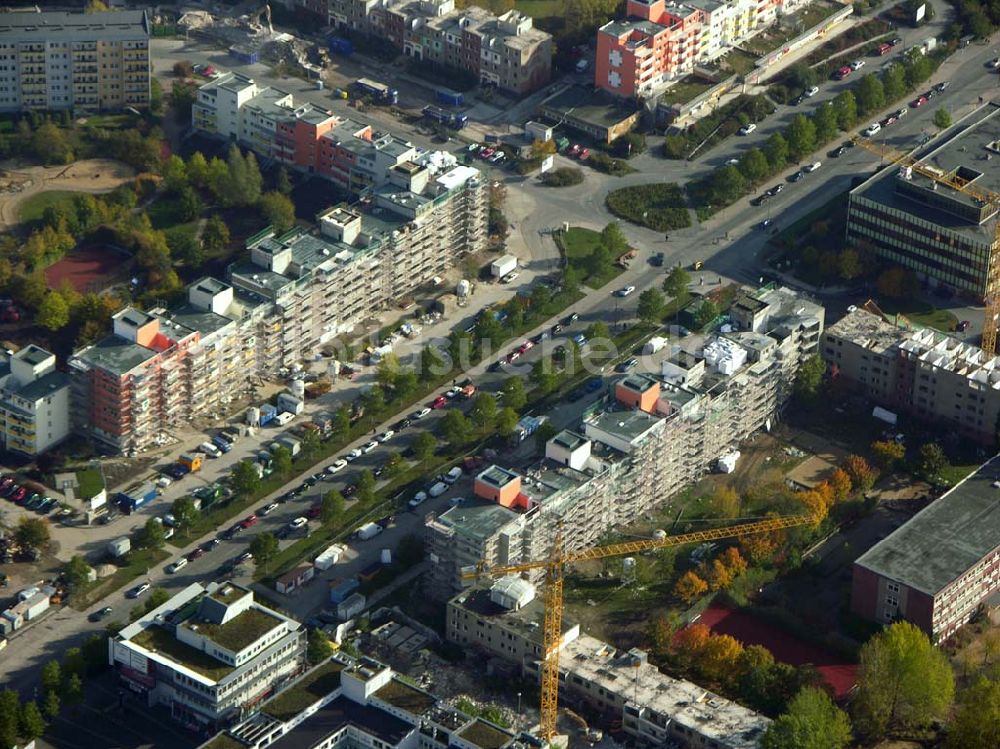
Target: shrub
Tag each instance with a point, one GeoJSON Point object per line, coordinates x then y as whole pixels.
{"type": "Point", "coordinates": [660, 207]}
{"type": "Point", "coordinates": [564, 176]}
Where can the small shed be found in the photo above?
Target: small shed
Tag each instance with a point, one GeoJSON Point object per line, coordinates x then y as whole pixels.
{"type": "Point", "coordinates": [295, 579]}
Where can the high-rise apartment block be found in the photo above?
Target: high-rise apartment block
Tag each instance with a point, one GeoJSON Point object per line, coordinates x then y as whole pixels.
{"type": "Point", "coordinates": [34, 401]}
{"type": "Point", "coordinates": [504, 51]}
{"type": "Point", "coordinates": [78, 61]}
{"type": "Point", "coordinates": [918, 372]}
{"type": "Point", "coordinates": [649, 438]}
{"type": "Point", "coordinates": [210, 654]}
{"type": "Point", "coordinates": [659, 41]}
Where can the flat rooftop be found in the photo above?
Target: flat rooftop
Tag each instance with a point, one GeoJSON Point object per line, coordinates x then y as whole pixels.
{"type": "Point", "coordinates": [526, 621]}
{"type": "Point", "coordinates": [339, 714]}
{"type": "Point", "coordinates": [157, 640]}
{"type": "Point", "coordinates": [406, 697]}
{"type": "Point", "coordinates": [944, 540]}
{"type": "Point", "coordinates": [867, 330]}
{"type": "Point", "coordinates": [115, 354]}
{"type": "Point", "coordinates": [239, 632]}
{"type": "Point", "coordinates": [485, 735]}
{"type": "Point", "coordinates": [308, 690]}
{"type": "Point", "coordinates": [477, 521]}
{"type": "Point", "coordinates": [628, 425]}
{"type": "Point", "coordinates": [115, 25]}
{"type": "Point", "coordinates": [582, 103]}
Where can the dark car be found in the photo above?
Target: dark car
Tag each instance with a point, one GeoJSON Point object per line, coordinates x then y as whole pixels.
{"type": "Point", "coordinates": [838, 152]}
{"type": "Point", "coordinates": [594, 384]}
{"type": "Point", "coordinates": [195, 553]}
{"type": "Point", "coordinates": [575, 395]}
{"type": "Point", "coordinates": [657, 260]}
{"type": "Point", "coordinates": [626, 365]}
{"type": "Point", "coordinates": [100, 614]}
{"type": "Point", "coordinates": [349, 490]}
{"type": "Point", "coordinates": [797, 176]}
{"type": "Point", "coordinates": [963, 326]}
{"type": "Point", "coordinates": [798, 100]}
{"type": "Point", "coordinates": [556, 329]}
{"type": "Point", "coordinates": [760, 199]}
{"type": "Point", "coordinates": [776, 189]}
{"type": "Point", "coordinates": [572, 318]}
{"type": "Point", "coordinates": [765, 224]}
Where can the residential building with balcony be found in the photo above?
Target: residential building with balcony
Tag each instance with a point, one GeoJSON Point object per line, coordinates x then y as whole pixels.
{"type": "Point", "coordinates": [209, 655]}
{"type": "Point", "coordinates": [939, 569]}
{"type": "Point", "coordinates": [504, 51]}
{"type": "Point", "coordinates": [945, 235]}
{"type": "Point", "coordinates": [34, 402]}
{"type": "Point", "coordinates": [74, 61]}
{"type": "Point", "coordinates": [920, 373]}
{"type": "Point", "coordinates": [360, 703]}
{"type": "Point", "coordinates": [659, 41]}
{"type": "Point", "coordinates": [648, 439]}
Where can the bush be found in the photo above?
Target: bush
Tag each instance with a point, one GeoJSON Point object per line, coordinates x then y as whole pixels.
{"type": "Point", "coordinates": [564, 176]}
{"type": "Point", "coordinates": [604, 163]}
{"type": "Point", "coordinates": [660, 207]}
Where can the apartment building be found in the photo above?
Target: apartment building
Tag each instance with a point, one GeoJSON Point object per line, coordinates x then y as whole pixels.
{"type": "Point", "coordinates": [34, 401]}
{"type": "Point", "coordinates": [158, 369]}
{"type": "Point", "coordinates": [360, 703]}
{"type": "Point", "coordinates": [209, 655]}
{"type": "Point", "coordinates": [77, 61]}
{"type": "Point", "coordinates": [632, 450]}
{"type": "Point", "coordinates": [505, 51]}
{"type": "Point", "coordinates": [303, 137]}
{"type": "Point", "coordinates": [921, 373]}
{"type": "Point", "coordinates": [366, 256]}
{"type": "Point", "coordinates": [505, 621]}
{"type": "Point", "coordinates": [659, 41]}
{"type": "Point", "coordinates": [939, 569]}
{"type": "Point", "coordinates": [945, 235]}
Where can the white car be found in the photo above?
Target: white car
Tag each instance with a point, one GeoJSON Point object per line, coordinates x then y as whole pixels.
{"type": "Point", "coordinates": [453, 475]}
{"type": "Point", "coordinates": [452, 392]}
{"type": "Point", "coordinates": [995, 63]}
{"type": "Point", "coordinates": [901, 112]}
{"type": "Point", "coordinates": [747, 129]}
{"type": "Point", "coordinates": [812, 91]}
{"type": "Point", "coordinates": [336, 466]}
{"type": "Point", "coordinates": [418, 499]}
{"type": "Point", "coordinates": [872, 129]}
{"type": "Point", "coordinates": [353, 455]}
{"type": "Point", "coordinates": [813, 166]}
{"type": "Point", "coordinates": [732, 162]}
{"type": "Point", "coordinates": [386, 436]}
{"type": "Point", "coordinates": [857, 64]}
{"type": "Point", "coordinates": [369, 447]}
{"type": "Point", "coordinates": [267, 509]}
{"type": "Point", "coordinates": [510, 277]}
{"type": "Point", "coordinates": [438, 489]}
{"type": "Point", "coordinates": [176, 566]}
{"type": "Point", "coordinates": [626, 291]}
{"type": "Point", "coordinates": [299, 522]}
{"type": "Point", "coordinates": [138, 590]}
{"type": "Point", "coordinates": [421, 413]}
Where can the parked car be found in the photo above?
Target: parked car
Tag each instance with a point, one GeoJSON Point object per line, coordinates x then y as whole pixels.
{"type": "Point", "coordinates": [298, 523]}
{"type": "Point", "coordinates": [138, 590]}
{"type": "Point", "coordinates": [919, 101]}
{"type": "Point", "coordinates": [353, 455]}
{"type": "Point", "coordinates": [627, 365]}
{"type": "Point", "coordinates": [749, 128]}
{"type": "Point", "coordinates": [626, 291]}
{"type": "Point", "coordinates": [438, 489]}
{"type": "Point", "coordinates": [267, 509]}
{"type": "Point", "coordinates": [453, 475]}
{"type": "Point", "coordinates": [418, 499]}
{"type": "Point", "coordinates": [962, 326]}
{"type": "Point", "coordinates": [100, 614]}
{"type": "Point", "coordinates": [873, 129]}
{"type": "Point", "coordinates": [249, 521]}
{"type": "Point", "coordinates": [421, 413]}
{"type": "Point", "coordinates": [857, 64]}
{"type": "Point", "coordinates": [175, 567]}
{"type": "Point", "coordinates": [337, 465]}
{"type": "Point", "coordinates": [195, 553]}
{"type": "Point", "coordinates": [812, 91]}
{"type": "Point", "coordinates": [813, 166]}
{"type": "Point", "coordinates": [776, 189]}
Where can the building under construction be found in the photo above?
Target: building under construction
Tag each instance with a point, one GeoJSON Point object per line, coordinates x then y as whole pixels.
{"type": "Point", "coordinates": [939, 217]}
{"type": "Point", "coordinates": [646, 440]}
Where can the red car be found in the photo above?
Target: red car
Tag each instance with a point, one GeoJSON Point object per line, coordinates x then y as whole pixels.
{"type": "Point", "coordinates": [314, 511]}
{"type": "Point", "coordinates": [248, 521]}
{"type": "Point", "coordinates": [919, 101]}
{"type": "Point", "coordinates": [20, 494]}
{"type": "Point", "coordinates": [884, 49]}
{"type": "Point", "coordinates": [584, 154]}
{"type": "Point", "coordinates": [513, 356]}
{"type": "Point", "coordinates": [843, 72]}
{"type": "Point", "coordinates": [527, 345]}
{"type": "Point", "coordinates": [439, 402]}
{"type": "Point", "coordinates": [195, 553]}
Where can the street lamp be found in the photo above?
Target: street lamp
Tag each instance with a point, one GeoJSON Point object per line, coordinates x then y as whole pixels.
{"type": "Point", "coordinates": [519, 707]}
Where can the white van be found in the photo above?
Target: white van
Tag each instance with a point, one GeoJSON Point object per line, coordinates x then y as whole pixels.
{"type": "Point", "coordinates": [178, 565]}
{"type": "Point", "coordinates": [438, 489]}
{"type": "Point", "coordinates": [418, 499]}
{"type": "Point", "coordinates": [453, 475]}
{"type": "Point", "coordinates": [209, 449]}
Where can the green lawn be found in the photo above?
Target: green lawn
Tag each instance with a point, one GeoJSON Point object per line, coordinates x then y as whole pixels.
{"type": "Point", "coordinates": [34, 206]}
{"type": "Point", "coordinates": [741, 62]}
{"type": "Point", "coordinates": [686, 89]}
{"type": "Point", "coordinates": [138, 563]}
{"type": "Point", "coordinates": [540, 8]}
{"type": "Point", "coordinates": [920, 313]}
{"type": "Point", "coordinates": [578, 244]}
{"type": "Point", "coordinates": [660, 207]}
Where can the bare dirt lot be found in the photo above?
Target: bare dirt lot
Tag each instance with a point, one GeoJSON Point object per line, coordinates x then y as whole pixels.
{"type": "Point", "coordinates": [91, 175]}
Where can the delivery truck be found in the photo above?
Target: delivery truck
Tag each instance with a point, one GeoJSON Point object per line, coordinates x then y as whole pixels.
{"type": "Point", "coordinates": [379, 91]}
{"type": "Point", "coordinates": [368, 530]}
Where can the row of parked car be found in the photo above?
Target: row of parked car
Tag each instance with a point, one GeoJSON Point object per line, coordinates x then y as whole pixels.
{"type": "Point", "coordinates": [29, 500]}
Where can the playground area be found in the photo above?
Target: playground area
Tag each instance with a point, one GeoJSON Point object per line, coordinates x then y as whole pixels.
{"type": "Point", "coordinates": [91, 175]}
{"type": "Point", "coordinates": [89, 269]}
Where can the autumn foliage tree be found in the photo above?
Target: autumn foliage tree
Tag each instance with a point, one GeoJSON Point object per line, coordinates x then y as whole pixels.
{"type": "Point", "coordinates": [719, 657]}
{"type": "Point", "coordinates": [719, 576]}
{"type": "Point", "coordinates": [840, 483]}
{"type": "Point", "coordinates": [734, 561]}
{"type": "Point", "coordinates": [689, 587]}
{"type": "Point", "coordinates": [887, 453]}
{"type": "Point", "coordinates": [862, 475]}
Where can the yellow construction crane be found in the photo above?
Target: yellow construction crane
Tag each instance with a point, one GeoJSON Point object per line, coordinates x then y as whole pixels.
{"type": "Point", "coordinates": [553, 589]}
{"type": "Point", "coordinates": [893, 156]}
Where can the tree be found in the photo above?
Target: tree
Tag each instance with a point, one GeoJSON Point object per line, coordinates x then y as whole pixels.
{"type": "Point", "coordinates": [10, 709]}
{"type": "Point", "coordinates": [263, 547]}
{"type": "Point", "coordinates": [278, 211]}
{"type": "Point", "coordinates": [365, 487]}
{"type": "Point", "coordinates": [718, 575]}
{"type": "Point", "coordinates": [754, 166]}
{"type": "Point", "coordinates": [31, 723]}
{"type": "Point", "coordinates": [812, 721]}
{"type": "Point", "coordinates": [904, 682]}
{"type": "Point", "coordinates": [726, 502]}
{"type": "Point", "coordinates": [374, 399]}
{"type": "Point", "coordinates": [801, 136]}
{"type": "Point", "coordinates": [51, 676]}
{"type": "Point", "coordinates": [543, 375]}
{"type": "Point", "coordinates": [690, 642]}
{"type": "Point", "coordinates": [423, 446]}
{"type": "Point", "coordinates": [651, 306]}
{"type": "Point", "coordinates": [513, 393]}
{"type": "Point", "coordinates": [613, 238]}
{"type": "Point", "coordinates": [507, 420]}
{"type": "Point", "coordinates": [726, 185]}
{"type": "Point", "coordinates": [976, 722]}
{"type": "Point", "coordinates": [942, 119]}
{"type": "Point", "coordinates": [600, 260]}
{"type": "Point", "coordinates": [862, 475]}
{"type": "Point", "coordinates": [845, 106]}
{"type": "Point", "coordinates": [825, 121]}
{"type": "Point", "coordinates": [405, 385]}
{"type": "Point", "coordinates": [690, 587]}
{"type": "Point", "coordinates": [174, 172]}
{"type": "Point", "coordinates": [51, 705]}
{"type": "Point", "coordinates": [50, 145]}
{"type": "Point", "coordinates": [332, 507]}
{"type": "Point", "coordinates": [598, 330]}
{"type": "Point", "coordinates": [677, 281]}
{"type": "Point", "coordinates": [840, 483]}
{"type": "Point", "coordinates": [871, 94]}
{"type": "Point", "coordinates": [53, 312]}
{"type": "Point", "coordinates": [734, 561]}
{"type": "Point", "coordinates": [32, 532]}
{"type": "Point", "coordinates": [800, 77]}
{"type": "Point", "coordinates": [897, 283]}
{"type": "Point", "coordinates": [189, 205]}
{"type": "Point", "coordinates": [918, 70]}
{"type": "Point", "coordinates": [810, 377]}
{"type": "Point", "coordinates": [73, 690]}
{"type": "Point", "coordinates": [215, 236]}
{"type": "Point", "coordinates": [77, 571]}
{"type": "Point", "coordinates": [894, 82]}
{"type": "Point", "coordinates": [281, 460]}
{"type": "Point", "coordinates": [185, 512]}
{"type": "Point", "coordinates": [707, 312]}
{"type": "Point", "coordinates": [718, 658]}
{"type": "Point", "coordinates": [484, 410]}
{"type": "Point", "coordinates": [887, 453]}
{"type": "Point", "coordinates": [455, 428]}
{"type": "Point", "coordinates": [319, 647]}
{"type": "Point", "coordinates": [283, 182]}
{"type": "Point", "coordinates": [245, 478]}
{"type": "Point", "coordinates": [932, 460]}
{"type": "Point", "coordinates": [776, 151]}
{"type": "Point", "coordinates": [849, 264]}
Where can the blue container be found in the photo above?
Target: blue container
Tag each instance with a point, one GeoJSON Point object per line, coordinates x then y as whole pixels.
{"type": "Point", "coordinates": [341, 589]}
{"type": "Point", "coordinates": [340, 46]}
{"type": "Point", "coordinates": [450, 98]}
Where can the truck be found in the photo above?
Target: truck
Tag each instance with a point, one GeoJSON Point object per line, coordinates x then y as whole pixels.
{"type": "Point", "coordinates": [444, 117]}
{"type": "Point", "coordinates": [449, 98]}
{"type": "Point", "coordinates": [368, 530]}
{"type": "Point", "coordinates": [267, 414]}
{"type": "Point", "coordinates": [119, 547]}
{"type": "Point", "coordinates": [502, 266]}
{"type": "Point", "coordinates": [379, 91]}
{"type": "Point", "coordinates": [191, 461]}
{"type": "Point", "coordinates": [340, 46]}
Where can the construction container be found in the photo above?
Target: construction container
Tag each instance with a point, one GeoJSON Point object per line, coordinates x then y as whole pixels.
{"type": "Point", "coordinates": [449, 98]}
{"type": "Point", "coordinates": [294, 579]}
{"type": "Point", "coordinates": [191, 461]}
{"type": "Point", "coordinates": [341, 589]}
{"type": "Point", "coordinates": [291, 403]}
{"type": "Point", "coordinates": [267, 414]}
{"type": "Point", "coordinates": [368, 573]}
{"type": "Point", "coordinates": [293, 445]}
{"type": "Point", "coordinates": [503, 265]}
{"type": "Point", "coordinates": [245, 55]}
{"type": "Point", "coordinates": [340, 46]}
{"type": "Point", "coordinates": [351, 606]}
{"type": "Point", "coordinates": [329, 557]}
{"type": "Point", "coordinates": [119, 547]}
{"type": "Point", "coordinates": [132, 499]}
{"type": "Point", "coordinates": [37, 605]}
